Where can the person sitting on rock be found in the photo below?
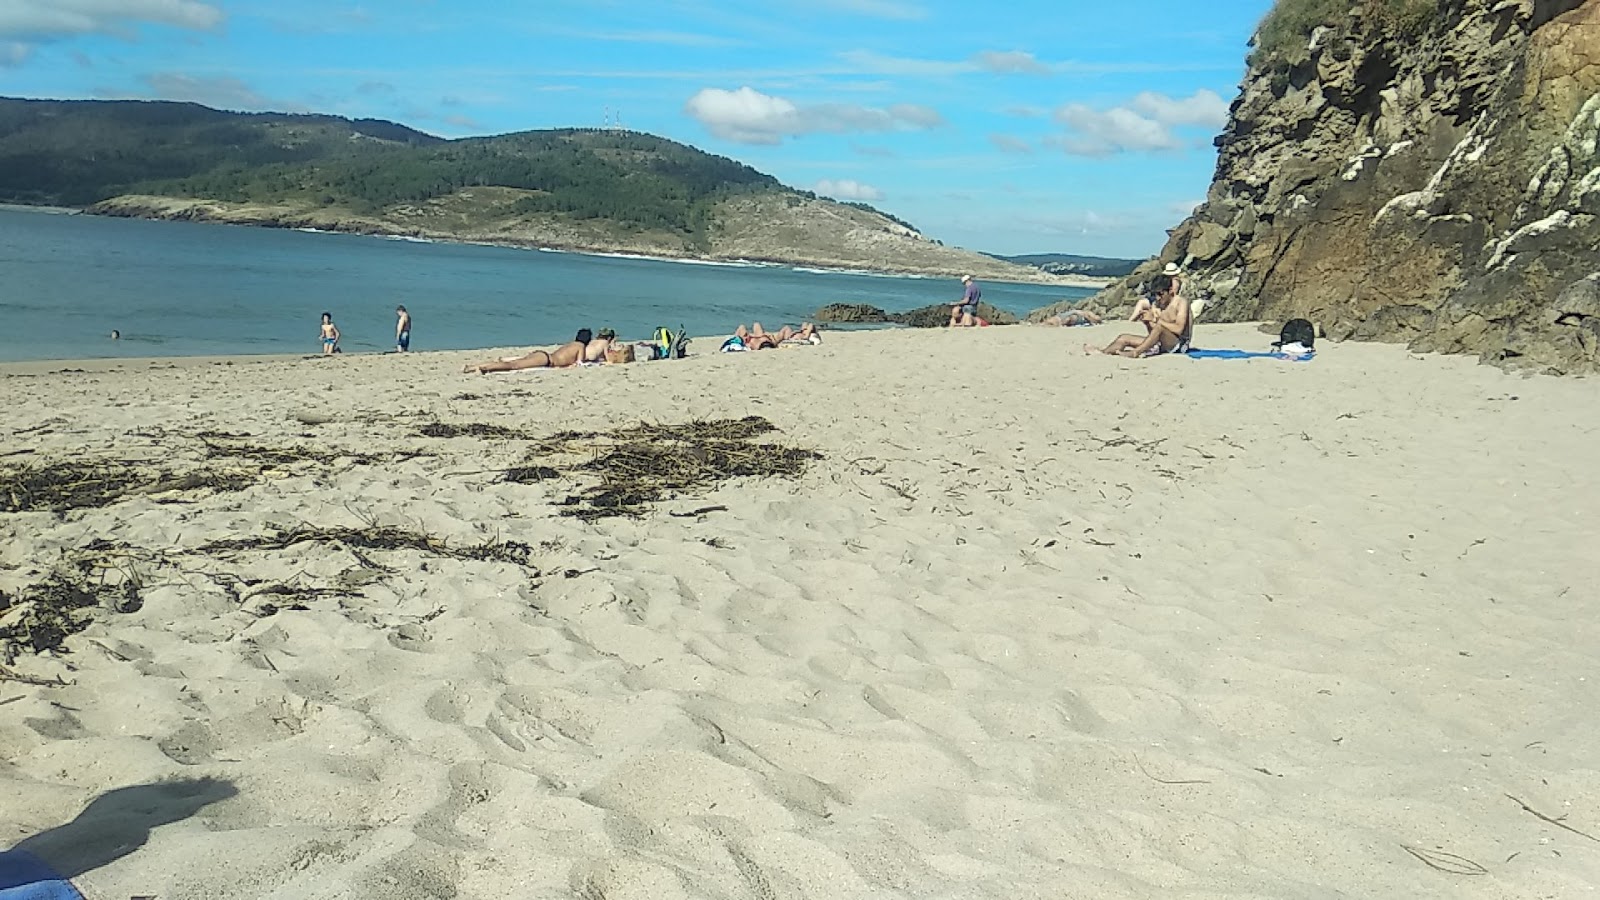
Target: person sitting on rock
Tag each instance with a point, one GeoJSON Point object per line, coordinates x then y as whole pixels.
{"type": "Point", "coordinates": [965, 312]}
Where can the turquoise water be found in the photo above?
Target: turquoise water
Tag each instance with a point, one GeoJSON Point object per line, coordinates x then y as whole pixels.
{"type": "Point", "coordinates": [185, 289]}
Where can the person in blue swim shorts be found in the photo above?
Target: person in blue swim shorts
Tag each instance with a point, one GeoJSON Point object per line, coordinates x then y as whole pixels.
{"type": "Point", "coordinates": [330, 335]}
{"type": "Point", "coordinates": [402, 330]}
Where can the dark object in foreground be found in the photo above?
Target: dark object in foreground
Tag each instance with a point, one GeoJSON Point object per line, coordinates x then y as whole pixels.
{"type": "Point", "coordinates": [644, 464]}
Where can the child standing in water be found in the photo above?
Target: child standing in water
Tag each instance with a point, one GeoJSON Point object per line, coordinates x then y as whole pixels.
{"type": "Point", "coordinates": [330, 335]}
{"type": "Point", "coordinates": [402, 330]}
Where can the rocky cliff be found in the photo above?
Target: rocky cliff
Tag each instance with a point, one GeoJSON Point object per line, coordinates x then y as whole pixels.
{"type": "Point", "coordinates": [1438, 186]}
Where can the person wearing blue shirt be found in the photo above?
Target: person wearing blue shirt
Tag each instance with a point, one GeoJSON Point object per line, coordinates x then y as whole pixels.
{"type": "Point", "coordinates": [965, 313]}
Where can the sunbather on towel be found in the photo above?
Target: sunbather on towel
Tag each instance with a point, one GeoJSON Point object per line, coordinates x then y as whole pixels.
{"type": "Point", "coordinates": [563, 357]}
{"type": "Point", "coordinates": [1073, 317]}
{"type": "Point", "coordinates": [757, 338]}
{"type": "Point", "coordinates": [1167, 326]}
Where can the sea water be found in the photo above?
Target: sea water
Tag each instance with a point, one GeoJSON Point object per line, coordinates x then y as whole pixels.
{"type": "Point", "coordinates": [187, 289]}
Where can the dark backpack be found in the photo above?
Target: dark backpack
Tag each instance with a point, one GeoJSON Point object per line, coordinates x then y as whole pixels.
{"type": "Point", "coordinates": [1299, 331]}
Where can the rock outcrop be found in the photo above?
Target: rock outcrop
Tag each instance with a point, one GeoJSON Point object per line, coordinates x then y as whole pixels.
{"type": "Point", "coordinates": [936, 315]}
{"type": "Point", "coordinates": [1440, 189]}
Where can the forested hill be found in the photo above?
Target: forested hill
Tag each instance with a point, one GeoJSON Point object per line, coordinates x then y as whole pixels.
{"type": "Point", "coordinates": [77, 152]}
{"type": "Point", "coordinates": [581, 189]}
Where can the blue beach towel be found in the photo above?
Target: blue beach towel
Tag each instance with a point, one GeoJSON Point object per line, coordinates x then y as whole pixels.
{"type": "Point", "coordinates": [1245, 354]}
{"type": "Point", "coordinates": [24, 876]}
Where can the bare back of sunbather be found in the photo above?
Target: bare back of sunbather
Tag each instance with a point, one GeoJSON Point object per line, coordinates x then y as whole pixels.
{"type": "Point", "coordinates": [564, 356]}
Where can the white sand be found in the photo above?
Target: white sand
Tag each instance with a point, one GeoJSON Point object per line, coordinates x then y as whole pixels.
{"type": "Point", "coordinates": [1039, 625]}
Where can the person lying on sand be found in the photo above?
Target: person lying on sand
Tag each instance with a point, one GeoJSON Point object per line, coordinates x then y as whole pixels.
{"type": "Point", "coordinates": [563, 357]}
{"type": "Point", "coordinates": [757, 338]}
{"type": "Point", "coordinates": [595, 351]}
{"type": "Point", "coordinates": [1073, 317]}
{"type": "Point", "coordinates": [1167, 325]}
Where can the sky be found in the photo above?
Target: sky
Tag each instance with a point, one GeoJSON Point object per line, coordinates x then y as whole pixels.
{"type": "Point", "coordinates": [1023, 127]}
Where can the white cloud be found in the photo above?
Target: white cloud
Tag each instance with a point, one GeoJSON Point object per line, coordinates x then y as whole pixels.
{"type": "Point", "coordinates": [1185, 208]}
{"type": "Point", "coordinates": [25, 24]}
{"type": "Point", "coordinates": [47, 20]}
{"type": "Point", "coordinates": [748, 116]}
{"type": "Point", "coordinates": [1012, 62]}
{"type": "Point", "coordinates": [846, 189]}
{"type": "Point", "coordinates": [1094, 132]}
{"type": "Point", "coordinates": [1146, 124]}
{"type": "Point", "coordinates": [1008, 144]}
{"type": "Point", "coordinates": [1203, 108]}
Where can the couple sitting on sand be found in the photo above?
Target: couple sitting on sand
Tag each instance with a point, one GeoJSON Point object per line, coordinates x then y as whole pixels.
{"type": "Point", "coordinates": [583, 348]}
{"type": "Point", "coordinates": [757, 338]}
{"type": "Point", "coordinates": [1167, 322]}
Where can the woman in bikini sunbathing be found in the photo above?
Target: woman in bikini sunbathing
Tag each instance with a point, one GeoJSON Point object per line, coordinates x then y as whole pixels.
{"type": "Point", "coordinates": [563, 357]}
{"type": "Point", "coordinates": [757, 338]}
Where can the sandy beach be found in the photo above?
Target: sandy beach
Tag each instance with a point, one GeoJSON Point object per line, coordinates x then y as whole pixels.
{"type": "Point", "coordinates": [1034, 625]}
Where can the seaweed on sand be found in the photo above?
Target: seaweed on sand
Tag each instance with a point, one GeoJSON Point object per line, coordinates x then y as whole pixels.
{"type": "Point", "coordinates": [63, 485]}
{"type": "Point", "coordinates": [40, 616]}
{"type": "Point", "coordinates": [643, 464]}
{"type": "Point", "coordinates": [378, 537]}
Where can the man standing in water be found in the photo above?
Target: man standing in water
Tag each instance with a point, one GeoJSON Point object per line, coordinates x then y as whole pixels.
{"type": "Point", "coordinates": [402, 330]}
{"type": "Point", "coordinates": [965, 313]}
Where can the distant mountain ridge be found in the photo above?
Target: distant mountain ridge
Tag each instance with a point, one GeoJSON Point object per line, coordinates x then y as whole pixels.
{"type": "Point", "coordinates": [603, 190]}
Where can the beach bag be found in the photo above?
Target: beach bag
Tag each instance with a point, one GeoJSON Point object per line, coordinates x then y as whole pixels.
{"type": "Point", "coordinates": [671, 344]}
{"type": "Point", "coordinates": [1297, 331]}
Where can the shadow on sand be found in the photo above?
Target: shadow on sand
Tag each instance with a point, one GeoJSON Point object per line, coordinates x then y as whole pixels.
{"type": "Point", "coordinates": [112, 826]}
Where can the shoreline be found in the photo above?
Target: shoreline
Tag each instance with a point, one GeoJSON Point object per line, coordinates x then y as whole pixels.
{"type": "Point", "coordinates": [196, 211]}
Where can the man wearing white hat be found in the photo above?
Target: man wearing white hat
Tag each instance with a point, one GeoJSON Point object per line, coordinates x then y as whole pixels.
{"type": "Point", "coordinates": [1143, 307]}
{"type": "Point", "coordinates": [965, 313]}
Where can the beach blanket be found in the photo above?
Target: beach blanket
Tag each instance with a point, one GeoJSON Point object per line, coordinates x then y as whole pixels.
{"type": "Point", "coordinates": [24, 876]}
{"type": "Point", "coordinates": [1246, 354]}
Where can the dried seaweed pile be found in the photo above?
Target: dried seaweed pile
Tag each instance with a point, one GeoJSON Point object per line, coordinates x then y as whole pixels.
{"type": "Point", "coordinates": [232, 464]}
{"type": "Point", "coordinates": [68, 485]}
{"type": "Point", "coordinates": [102, 577]}
{"type": "Point", "coordinates": [42, 615]}
{"type": "Point", "coordinates": [282, 457]}
{"type": "Point", "coordinates": [378, 537]}
{"type": "Point", "coordinates": [644, 464]}
{"type": "Point", "coordinates": [472, 429]}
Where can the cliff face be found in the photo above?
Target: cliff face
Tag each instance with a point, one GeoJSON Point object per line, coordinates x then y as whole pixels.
{"type": "Point", "coordinates": [1441, 190]}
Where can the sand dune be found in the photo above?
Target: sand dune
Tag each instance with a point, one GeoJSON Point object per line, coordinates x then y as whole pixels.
{"type": "Point", "coordinates": [1036, 625]}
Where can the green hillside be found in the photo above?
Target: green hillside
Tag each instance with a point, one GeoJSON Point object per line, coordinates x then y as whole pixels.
{"type": "Point", "coordinates": [76, 153]}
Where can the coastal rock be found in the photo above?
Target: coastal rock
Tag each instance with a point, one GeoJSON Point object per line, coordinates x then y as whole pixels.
{"type": "Point", "coordinates": [938, 316]}
{"type": "Point", "coordinates": [1439, 187]}
{"type": "Point", "coordinates": [850, 312]}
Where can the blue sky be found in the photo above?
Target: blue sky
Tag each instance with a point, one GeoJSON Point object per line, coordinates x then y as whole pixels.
{"type": "Point", "coordinates": [1011, 128]}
